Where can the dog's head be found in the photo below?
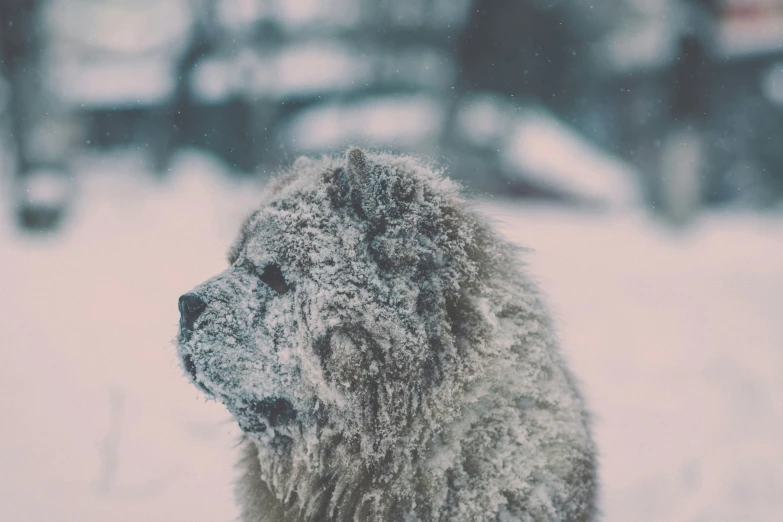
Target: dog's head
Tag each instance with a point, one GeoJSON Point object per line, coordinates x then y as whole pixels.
{"type": "Point", "coordinates": [351, 303]}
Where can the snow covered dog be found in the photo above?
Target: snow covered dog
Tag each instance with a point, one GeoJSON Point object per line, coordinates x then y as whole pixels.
{"type": "Point", "coordinates": [387, 357]}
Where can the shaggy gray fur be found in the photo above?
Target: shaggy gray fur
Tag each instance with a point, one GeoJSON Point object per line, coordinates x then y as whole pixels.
{"type": "Point", "coordinates": [388, 358]}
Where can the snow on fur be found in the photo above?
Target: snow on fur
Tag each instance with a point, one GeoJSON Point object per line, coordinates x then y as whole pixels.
{"type": "Point", "coordinates": [388, 358]}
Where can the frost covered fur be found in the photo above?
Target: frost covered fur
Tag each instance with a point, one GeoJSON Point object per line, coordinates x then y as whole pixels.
{"type": "Point", "coordinates": [388, 358]}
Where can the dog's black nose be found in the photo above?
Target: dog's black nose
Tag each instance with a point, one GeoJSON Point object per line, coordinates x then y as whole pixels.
{"type": "Point", "coordinates": [190, 307]}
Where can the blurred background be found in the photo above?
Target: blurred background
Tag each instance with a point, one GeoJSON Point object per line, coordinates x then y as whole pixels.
{"type": "Point", "coordinates": [635, 145]}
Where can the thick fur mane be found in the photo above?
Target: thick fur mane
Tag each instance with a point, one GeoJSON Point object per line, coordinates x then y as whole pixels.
{"type": "Point", "coordinates": [418, 358]}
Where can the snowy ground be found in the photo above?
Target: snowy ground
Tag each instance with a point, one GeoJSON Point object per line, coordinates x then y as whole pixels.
{"type": "Point", "coordinates": [678, 340]}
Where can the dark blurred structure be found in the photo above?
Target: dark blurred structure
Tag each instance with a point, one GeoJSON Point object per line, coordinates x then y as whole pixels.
{"type": "Point", "coordinates": [539, 51]}
{"type": "Point", "coordinates": [699, 108]}
{"type": "Point", "coordinates": [116, 65]}
{"type": "Point", "coordinates": [520, 97]}
{"type": "Point", "coordinates": [38, 130]}
{"type": "Point", "coordinates": [277, 79]}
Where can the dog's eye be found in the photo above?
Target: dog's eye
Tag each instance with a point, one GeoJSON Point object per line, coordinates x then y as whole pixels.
{"type": "Point", "coordinates": [273, 277]}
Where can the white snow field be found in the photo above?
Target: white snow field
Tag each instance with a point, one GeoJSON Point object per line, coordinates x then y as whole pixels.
{"type": "Point", "coordinates": [676, 337]}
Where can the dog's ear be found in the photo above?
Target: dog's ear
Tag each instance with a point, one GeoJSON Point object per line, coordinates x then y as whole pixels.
{"type": "Point", "coordinates": [376, 186]}
{"type": "Point", "coordinates": [347, 183]}
{"type": "Point", "coordinates": [356, 166]}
